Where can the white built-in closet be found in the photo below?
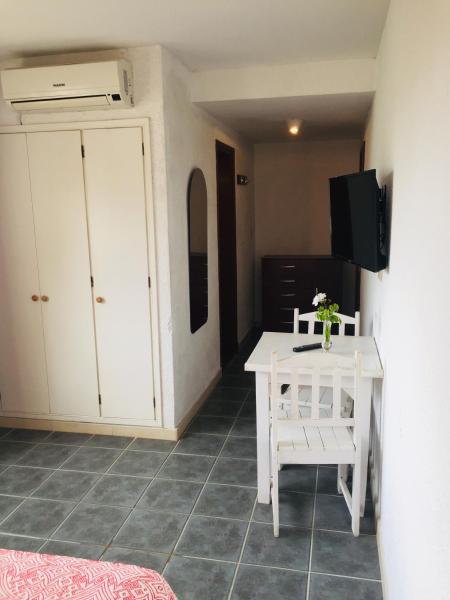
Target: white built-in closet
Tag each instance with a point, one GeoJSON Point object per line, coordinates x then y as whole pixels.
{"type": "Point", "coordinates": [77, 340]}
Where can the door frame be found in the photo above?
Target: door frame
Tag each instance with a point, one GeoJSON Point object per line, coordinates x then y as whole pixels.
{"type": "Point", "coordinates": [144, 124]}
{"type": "Point", "coordinates": [219, 145]}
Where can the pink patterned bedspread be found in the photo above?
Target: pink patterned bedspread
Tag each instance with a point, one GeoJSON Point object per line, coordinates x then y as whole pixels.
{"type": "Point", "coordinates": [30, 576]}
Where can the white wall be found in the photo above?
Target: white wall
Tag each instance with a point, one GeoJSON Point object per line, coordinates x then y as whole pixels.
{"type": "Point", "coordinates": [408, 142]}
{"type": "Point", "coordinates": [292, 197]}
{"type": "Point", "coordinates": [283, 81]}
{"type": "Point", "coordinates": [190, 138]}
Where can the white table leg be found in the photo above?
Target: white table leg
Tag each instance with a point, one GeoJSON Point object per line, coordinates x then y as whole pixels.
{"type": "Point", "coordinates": [365, 392]}
{"type": "Point", "coordinates": [263, 440]}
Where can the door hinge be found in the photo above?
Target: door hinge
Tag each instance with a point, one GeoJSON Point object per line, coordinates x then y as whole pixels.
{"type": "Point", "coordinates": [100, 399]}
{"type": "Point", "coordinates": [149, 281]}
{"type": "Point", "coordinates": [143, 151]}
{"type": "Point", "coordinates": [92, 281]}
{"type": "Point", "coordinates": [82, 151]}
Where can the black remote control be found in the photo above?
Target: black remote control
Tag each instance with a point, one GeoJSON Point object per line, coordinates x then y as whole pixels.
{"type": "Point", "coordinates": [306, 347]}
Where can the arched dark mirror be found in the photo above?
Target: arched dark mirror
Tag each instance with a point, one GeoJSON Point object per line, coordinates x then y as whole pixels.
{"type": "Point", "coordinates": [197, 204]}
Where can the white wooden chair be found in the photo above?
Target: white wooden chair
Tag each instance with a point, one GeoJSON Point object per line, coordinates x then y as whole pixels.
{"type": "Point", "coordinates": [315, 434]}
{"type": "Point", "coordinates": [310, 318]}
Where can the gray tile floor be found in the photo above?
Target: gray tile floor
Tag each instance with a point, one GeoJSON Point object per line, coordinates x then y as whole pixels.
{"type": "Point", "coordinates": [189, 509]}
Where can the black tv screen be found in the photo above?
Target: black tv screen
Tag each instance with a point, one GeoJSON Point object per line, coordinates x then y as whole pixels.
{"type": "Point", "coordinates": [357, 208]}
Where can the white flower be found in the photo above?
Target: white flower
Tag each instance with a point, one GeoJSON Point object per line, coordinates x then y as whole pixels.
{"type": "Point", "coordinates": [318, 298]}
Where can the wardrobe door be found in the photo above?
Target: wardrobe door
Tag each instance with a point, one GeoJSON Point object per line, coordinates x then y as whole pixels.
{"type": "Point", "coordinates": [23, 381]}
{"type": "Point", "coordinates": [56, 174]}
{"type": "Point", "coordinates": [115, 196]}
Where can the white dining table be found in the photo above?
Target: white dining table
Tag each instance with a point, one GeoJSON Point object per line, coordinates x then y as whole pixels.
{"type": "Point", "coordinates": [283, 343]}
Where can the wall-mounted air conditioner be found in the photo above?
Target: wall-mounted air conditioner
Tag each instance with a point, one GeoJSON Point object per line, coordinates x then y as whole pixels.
{"type": "Point", "coordinates": [94, 85]}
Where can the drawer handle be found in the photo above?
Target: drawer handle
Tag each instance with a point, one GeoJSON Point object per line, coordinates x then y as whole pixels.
{"type": "Point", "coordinates": [287, 295]}
{"type": "Point", "coordinates": [100, 300]}
{"type": "Point", "coordinates": [35, 298]}
{"type": "Point", "coordinates": [44, 298]}
{"type": "Point", "coordinates": [287, 308]}
{"type": "Point", "coordinates": [287, 322]}
{"type": "Point", "coordinates": [288, 266]}
{"type": "Point", "coordinates": [288, 281]}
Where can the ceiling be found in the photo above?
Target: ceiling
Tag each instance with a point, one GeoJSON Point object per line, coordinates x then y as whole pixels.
{"type": "Point", "coordinates": [332, 116]}
{"type": "Point", "coordinates": [205, 34]}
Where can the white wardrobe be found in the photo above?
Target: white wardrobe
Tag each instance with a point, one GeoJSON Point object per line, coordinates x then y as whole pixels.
{"type": "Point", "coordinates": [76, 339]}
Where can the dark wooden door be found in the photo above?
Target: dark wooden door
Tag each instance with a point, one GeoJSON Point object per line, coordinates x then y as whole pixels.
{"type": "Point", "coordinates": [226, 231]}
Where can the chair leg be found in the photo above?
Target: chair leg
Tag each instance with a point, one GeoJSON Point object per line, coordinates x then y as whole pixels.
{"type": "Point", "coordinates": [362, 508]}
{"type": "Point", "coordinates": [363, 501]}
{"type": "Point", "coordinates": [342, 473]}
{"type": "Point", "coordinates": [356, 497]}
{"type": "Point", "coordinates": [275, 500]}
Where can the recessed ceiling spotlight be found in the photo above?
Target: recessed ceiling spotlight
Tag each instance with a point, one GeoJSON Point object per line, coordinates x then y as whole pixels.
{"type": "Point", "coordinates": [294, 126]}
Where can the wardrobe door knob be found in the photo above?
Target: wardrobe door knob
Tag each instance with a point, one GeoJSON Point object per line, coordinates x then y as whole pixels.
{"type": "Point", "coordinates": [44, 298]}
{"type": "Point", "coordinates": [35, 298]}
{"type": "Point", "coordinates": [100, 300]}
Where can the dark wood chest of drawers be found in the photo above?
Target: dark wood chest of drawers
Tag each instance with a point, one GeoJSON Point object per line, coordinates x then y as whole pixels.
{"type": "Point", "coordinates": [290, 282]}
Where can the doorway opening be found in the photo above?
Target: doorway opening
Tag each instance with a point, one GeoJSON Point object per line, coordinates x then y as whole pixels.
{"type": "Point", "coordinates": [226, 233]}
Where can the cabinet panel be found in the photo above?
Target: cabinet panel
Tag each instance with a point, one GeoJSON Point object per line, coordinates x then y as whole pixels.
{"type": "Point", "coordinates": [116, 205]}
{"type": "Point", "coordinates": [292, 281]}
{"type": "Point", "coordinates": [23, 381]}
{"type": "Point", "coordinates": [56, 174]}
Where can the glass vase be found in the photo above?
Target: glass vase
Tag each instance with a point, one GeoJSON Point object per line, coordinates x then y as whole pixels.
{"type": "Point", "coordinates": [326, 341]}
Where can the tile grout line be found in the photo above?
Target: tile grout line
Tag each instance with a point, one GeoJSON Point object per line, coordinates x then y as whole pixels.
{"type": "Point", "coordinates": [188, 520]}
{"type": "Point", "coordinates": [47, 441]}
{"type": "Point", "coordinates": [23, 498]}
{"type": "Point", "coordinates": [308, 581]}
{"type": "Point", "coordinates": [151, 477]}
{"type": "Point", "coordinates": [153, 510]}
{"type": "Point", "coordinates": [191, 514]}
{"type": "Point", "coordinates": [242, 549]}
{"type": "Point", "coordinates": [274, 567]}
{"type": "Point", "coordinates": [76, 503]}
{"type": "Point", "coordinates": [48, 539]}
{"type": "Point", "coordinates": [102, 475]}
{"type": "Point", "coordinates": [108, 472]}
{"type": "Point", "coordinates": [338, 575]}
{"type": "Point", "coordinates": [132, 508]}
{"type": "Point", "coordinates": [155, 476]}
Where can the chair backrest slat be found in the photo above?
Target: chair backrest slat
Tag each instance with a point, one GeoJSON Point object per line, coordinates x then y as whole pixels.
{"type": "Point", "coordinates": [315, 393]}
{"type": "Point", "coordinates": [294, 392]}
{"type": "Point", "coordinates": [275, 393]}
{"type": "Point", "coordinates": [310, 318]}
{"type": "Point", "coordinates": [357, 432]}
{"type": "Point", "coordinates": [337, 393]}
{"type": "Point", "coordinates": [318, 371]}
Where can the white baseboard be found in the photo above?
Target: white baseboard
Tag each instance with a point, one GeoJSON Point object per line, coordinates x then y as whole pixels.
{"type": "Point", "coordinates": [382, 563]}
{"type": "Point", "coordinates": [196, 406]}
{"type": "Point", "coordinates": [376, 501]}
{"type": "Point", "coordinates": [156, 433]}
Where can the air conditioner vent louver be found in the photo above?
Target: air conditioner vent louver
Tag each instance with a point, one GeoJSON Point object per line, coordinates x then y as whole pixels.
{"type": "Point", "coordinates": [69, 87]}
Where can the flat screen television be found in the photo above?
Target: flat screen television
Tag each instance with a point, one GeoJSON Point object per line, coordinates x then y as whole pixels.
{"type": "Point", "coordinates": [358, 220]}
